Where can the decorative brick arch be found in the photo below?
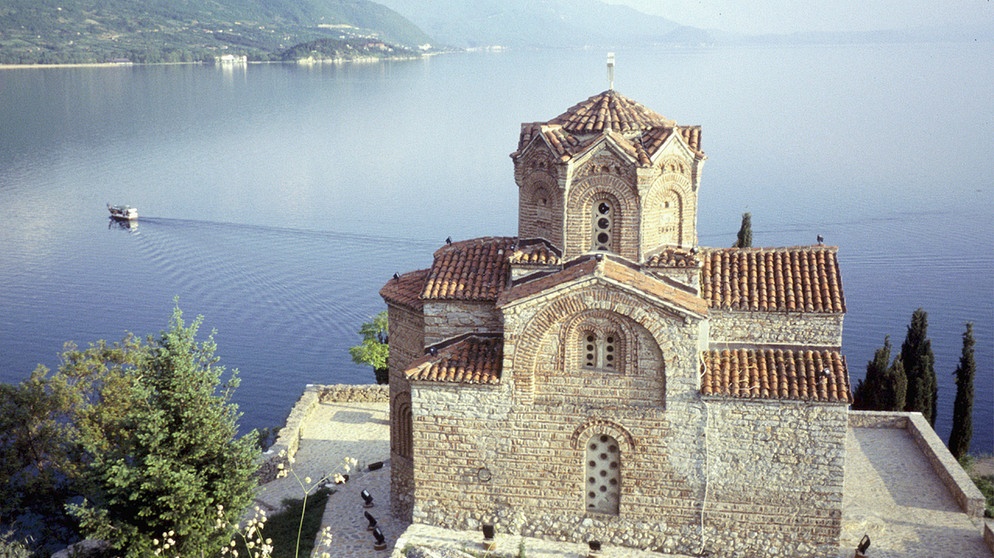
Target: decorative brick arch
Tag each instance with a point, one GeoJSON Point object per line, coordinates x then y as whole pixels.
{"type": "Point", "coordinates": [528, 342]}
{"type": "Point", "coordinates": [595, 426]}
{"type": "Point", "coordinates": [579, 214]}
{"type": "Point", "coordinates": [669, 213]}
{"type": "Point", "coordinates": [601, 321]}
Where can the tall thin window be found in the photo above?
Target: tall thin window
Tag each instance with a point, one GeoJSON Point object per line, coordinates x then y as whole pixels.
{"type": "Point", "coordinates": [599, 350]}
{"type": "Point", "coordinates": [603, 221]}
{"type": "Point", "coordinates": [603, 475]}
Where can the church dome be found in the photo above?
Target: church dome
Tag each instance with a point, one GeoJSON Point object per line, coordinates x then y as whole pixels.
{"type": "Point", "coordinates": [610, 111]}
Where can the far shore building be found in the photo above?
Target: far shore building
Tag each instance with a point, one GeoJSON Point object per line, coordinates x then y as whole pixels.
{"type": "Point", "coordinates": [601, 376]}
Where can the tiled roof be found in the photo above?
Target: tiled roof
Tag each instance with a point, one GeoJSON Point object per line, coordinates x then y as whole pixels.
{"type": "Point", "coordinates": [673, 257]}
{"type": "Point", "coordinates": [800, 279]}
{"type": "Point", "coordinates": [470, 360]}
{"type": "Point", "coordinates": [472, 270]}
{"type": "Point", "coordinates": [405, 289]}
{"type": "Point", "coordinates": [609, 110]}
{"type": "Point", "coordinates": [638, 130]}
{"type": "Point", "coordinates": [534, 252]}
{"type": "Point", "coordinates": [805, 375]}
{"type": "Point", "coordinates": [590, 265]}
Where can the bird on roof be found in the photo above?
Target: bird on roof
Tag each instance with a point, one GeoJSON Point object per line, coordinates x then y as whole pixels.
{"type": "Point", "coordinates": [821, 240]}
{"type": "Point", "coordinates": [448, 240]}
{"type": "Point", "coordinates": [396, 275]}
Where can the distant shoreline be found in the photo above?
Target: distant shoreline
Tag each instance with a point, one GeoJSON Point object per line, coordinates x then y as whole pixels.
{"type": "Point", "coordinates": [303, 62]}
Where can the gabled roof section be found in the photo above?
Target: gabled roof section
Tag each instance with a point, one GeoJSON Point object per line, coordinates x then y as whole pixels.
{"type": "Point", "coordinates": [798, 279]}
{"type": "Point", "coordinates": [802, 375]}
{"type": "Point", "coordinates": [405, 290]}
{"type": "Point", "coordinates": [468, 359]}
{"type": "Point", "coordinates": [600, 266]}
{"type": "Point", "coordinates": [470, 270]}
{"type": "Point", "coordinates": [635, 129]}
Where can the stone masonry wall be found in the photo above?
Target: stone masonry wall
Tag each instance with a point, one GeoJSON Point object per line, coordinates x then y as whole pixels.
{"type": "Point", "coordinates": [796, 329]}
{"type": "Point", "coordinates": [775, 478]}
{"type": "Point", "coordinates": [407, 334]}
{"type": "Point", "coordinates": [447, 319]}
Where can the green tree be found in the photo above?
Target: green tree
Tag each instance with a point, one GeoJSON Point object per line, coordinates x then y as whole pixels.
{"type": "Point", "coordinates": [885, 387]}
{"type": "Point", "coordinates": [158, 440]}
{"type": "Point", "coordinates": [744, 238]}
{"type": "Point", "coordinates": [374, 349]}
{"type": "Point", "coordinates": [919, 365]}
{"type": "Point", "coordinates": [959, 438]}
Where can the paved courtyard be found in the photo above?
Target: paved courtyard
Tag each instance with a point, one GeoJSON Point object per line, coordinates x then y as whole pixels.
{"type": "Point", "coordinates": [891, 494]}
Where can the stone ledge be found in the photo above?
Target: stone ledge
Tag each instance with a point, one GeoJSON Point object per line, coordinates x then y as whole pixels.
{"type": "Point", "coordinates": [989, 535]}
{"type": "Point", "coordinates": [288, 440]}
{"type": "Point", "coordinates": [966, 494]}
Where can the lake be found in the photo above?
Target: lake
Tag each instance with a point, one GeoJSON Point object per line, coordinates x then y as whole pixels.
{"type": "Point", "coordinates": [277, 199]}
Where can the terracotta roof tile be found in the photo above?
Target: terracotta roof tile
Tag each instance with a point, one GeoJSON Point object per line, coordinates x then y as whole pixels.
{"type": "Point", "coordinates": [638, 130]}
{"type": "Point", "coordinates": [673, 257]}
{"type": "Point", "coordinates": [799, 279]}
{"type": "Point", "coordinates": [470, 360]}
{"type": "Point", "coordinates": [473, 270]}
{"type": "Point", "coordinates": [805, 375]}
{"type": "Point", "coordinates": [609, 110]}
{"type": "Point", "coordinates": [610, 269]}
{"type": "Point", "coordinates": [535, 252]}
{"type": "Point", "coordinates": [405, 290]}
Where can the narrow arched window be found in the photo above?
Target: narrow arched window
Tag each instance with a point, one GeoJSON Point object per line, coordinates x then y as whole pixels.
{"type": "Point", "coordinates": [603, 475]}
{"type": "Point", "coordinates": [603, 225]}
{"type": "Point", "coordinates": [403, 429]}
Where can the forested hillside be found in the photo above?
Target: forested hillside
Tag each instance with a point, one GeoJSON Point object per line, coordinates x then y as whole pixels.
{"type": "Point", "coordinates": [85, 31]}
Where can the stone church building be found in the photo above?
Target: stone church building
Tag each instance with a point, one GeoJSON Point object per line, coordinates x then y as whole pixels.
{"type": "Point", "coordinates": [601, 376]}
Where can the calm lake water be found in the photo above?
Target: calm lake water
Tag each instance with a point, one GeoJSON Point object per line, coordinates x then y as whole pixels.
{"type": "Point", "coordinates": [276, 200]}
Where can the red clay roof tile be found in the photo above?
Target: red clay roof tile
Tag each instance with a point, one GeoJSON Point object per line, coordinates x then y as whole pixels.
{"type": "Point", "coordinates": [471, 360]}
{"type": "Point", "coordinates": [804, 375]}
{"type": "Point", "coordinates": [638, 130]}
{"type": "Point", "coordinates": [405, 290]}
{"type": "Point", "coordinates": [472, 270]}
{"type": "Point", "coordinates": [673, 257]}
{"type": "Point", "coordinates": [799, 279]}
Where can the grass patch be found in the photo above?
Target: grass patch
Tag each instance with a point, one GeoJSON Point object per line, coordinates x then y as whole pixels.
{"type": "Point", "coordinates": [283, 526]}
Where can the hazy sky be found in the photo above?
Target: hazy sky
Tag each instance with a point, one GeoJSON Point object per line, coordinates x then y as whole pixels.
{"type": "Point", "coordinates": [785, 16]}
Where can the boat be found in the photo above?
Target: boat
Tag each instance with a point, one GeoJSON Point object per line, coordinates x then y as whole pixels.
{"type": "Point", "coordinates": [122, 212]}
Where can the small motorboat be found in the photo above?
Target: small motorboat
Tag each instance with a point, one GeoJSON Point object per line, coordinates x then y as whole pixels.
{"type": "Point", "coordinates": [122, 212]}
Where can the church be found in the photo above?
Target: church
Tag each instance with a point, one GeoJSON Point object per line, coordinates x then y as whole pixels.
{"type": "Point", "coordinates": [600, 376]}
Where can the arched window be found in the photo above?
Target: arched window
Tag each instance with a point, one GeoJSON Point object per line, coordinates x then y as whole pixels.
{"type": "Point", "coordinates": [603, 475]}
{"type": "Point", "coordinates": [603, 224]}
{"type": "Point", "coordinates": [403, 428]}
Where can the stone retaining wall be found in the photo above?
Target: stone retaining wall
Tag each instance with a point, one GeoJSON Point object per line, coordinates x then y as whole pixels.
{"type": "Point", "coordinates": [966, 494]}
{"type": "Point", "coordinates": [288, 439]}
{"type": "Point", "coordinates": [989, 535]}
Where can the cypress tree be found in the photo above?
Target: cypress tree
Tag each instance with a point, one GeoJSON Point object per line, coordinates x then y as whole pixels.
{"type": "Point", "coordinates": [884, 387]}
{"type": "Point", "coordinates": [919, 365]}
{"type": "Point", "coordinates": [959, 438]}
{"type": "Point", "coordinates": [744, 238]}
